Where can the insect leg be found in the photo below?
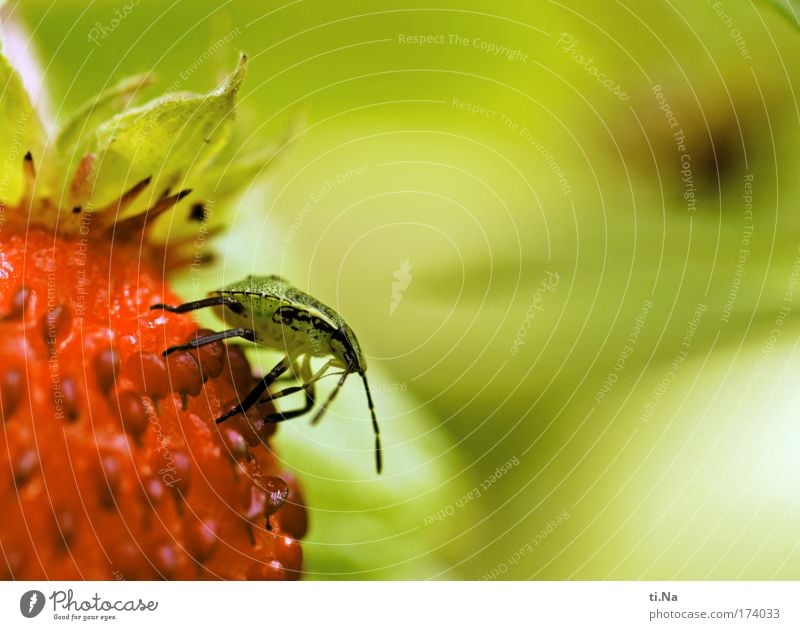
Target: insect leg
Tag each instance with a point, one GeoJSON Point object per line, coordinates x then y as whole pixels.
{"type": "Point", "coordinates": [217, 300]}
{"type": "Point", "coordinates": [252, 398]}
{"type": "Point", "coordinates": [290, 376]}
{"type": "Point", "coordinates": [303, 373]}
{"type": "Point", "coordinates": [294, 389]}
{"type": "Point", "coordinates": [307, 386]}
{"type": "Point", "coordinates": [244, 333]}
{"type": "Point", "coordinates": [331, 398]}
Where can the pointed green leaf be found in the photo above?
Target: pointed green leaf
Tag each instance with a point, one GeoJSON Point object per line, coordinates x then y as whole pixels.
{"type": "Point", "coordinates": [20, 132]}
{"type": "Point", "coordinates": [165, 139]}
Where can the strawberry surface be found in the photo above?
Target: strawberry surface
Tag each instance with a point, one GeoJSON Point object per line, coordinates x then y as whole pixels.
{"type": "Point", "coordinates": [111, 464]}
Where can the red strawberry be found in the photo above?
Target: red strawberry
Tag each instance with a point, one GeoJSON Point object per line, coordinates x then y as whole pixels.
{"type": "Point", "coordinates": [112, 463]}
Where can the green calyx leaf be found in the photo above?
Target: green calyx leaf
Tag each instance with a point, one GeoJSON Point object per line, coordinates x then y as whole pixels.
{"type": "Point", "coordinates": [20, 132]}
{"type": "Point", "coordinates": [77, 134]}
{"type": "Point", "coordinates": [165, 139]}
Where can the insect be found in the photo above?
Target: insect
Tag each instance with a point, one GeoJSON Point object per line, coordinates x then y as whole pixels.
{"type": "Point", "coordinates": [269, 311]}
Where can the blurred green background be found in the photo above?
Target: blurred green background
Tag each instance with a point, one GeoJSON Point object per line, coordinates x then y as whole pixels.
{"type": "Point", "coordinates": [584, 360]}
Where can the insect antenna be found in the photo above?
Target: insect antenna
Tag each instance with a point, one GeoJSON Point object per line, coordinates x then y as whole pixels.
{"type": "Point", "coordinates": [375, 429]}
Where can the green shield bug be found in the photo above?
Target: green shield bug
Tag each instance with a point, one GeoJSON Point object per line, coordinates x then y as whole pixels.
{"type": "Point", "coordinates": [269, 311]}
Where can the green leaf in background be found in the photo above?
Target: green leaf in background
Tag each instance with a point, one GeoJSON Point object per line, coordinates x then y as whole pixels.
{"type": "Point", "coordinates": [20, 132]}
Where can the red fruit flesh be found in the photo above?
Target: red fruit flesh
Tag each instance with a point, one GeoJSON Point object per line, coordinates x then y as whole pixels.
{"type": "Point", "coordinates": [111, 464]}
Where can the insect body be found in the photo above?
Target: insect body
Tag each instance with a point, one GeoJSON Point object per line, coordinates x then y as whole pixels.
{"type": "Point", "coordinates": [271, 312]}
